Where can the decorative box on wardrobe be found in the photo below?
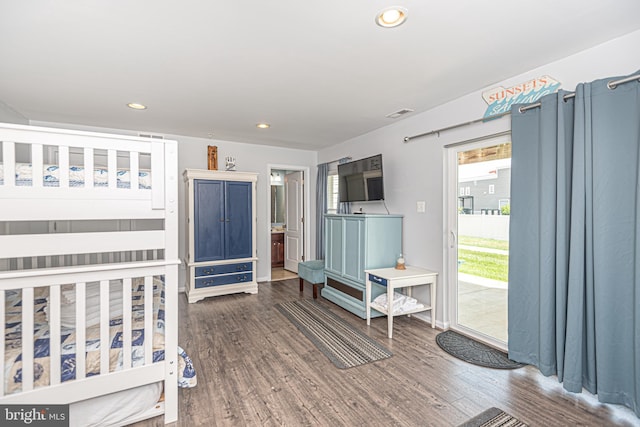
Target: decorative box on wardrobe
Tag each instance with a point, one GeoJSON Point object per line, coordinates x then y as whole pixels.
{"type": "Point", "coordinates": [221, 233]}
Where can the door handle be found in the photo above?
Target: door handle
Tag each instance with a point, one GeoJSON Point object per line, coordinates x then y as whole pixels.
{"type": "Point", "coordinates": [453, 239]}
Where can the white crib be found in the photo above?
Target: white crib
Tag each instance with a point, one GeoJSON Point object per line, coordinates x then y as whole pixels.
{"type": "Point", "coordinates": [82, 214]}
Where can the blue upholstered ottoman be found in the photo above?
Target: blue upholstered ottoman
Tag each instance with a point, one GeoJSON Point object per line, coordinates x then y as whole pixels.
{"type": "Point", "coordinates": [312, 272]}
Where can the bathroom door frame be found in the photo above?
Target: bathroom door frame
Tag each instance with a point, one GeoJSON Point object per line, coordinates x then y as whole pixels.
{"type": "Point", "coordinates": [306, 206]}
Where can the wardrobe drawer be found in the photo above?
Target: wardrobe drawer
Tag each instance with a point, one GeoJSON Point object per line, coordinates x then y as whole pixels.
{"type": "Point", "coordinates": [206, 282]}
{"type": "Point", "coordinates": [223, 269]}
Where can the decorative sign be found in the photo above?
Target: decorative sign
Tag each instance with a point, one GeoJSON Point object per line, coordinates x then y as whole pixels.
{"type": "Point", "coordinates": [212, 157]}
{"type": "Point", "coordinates": [500, 99]}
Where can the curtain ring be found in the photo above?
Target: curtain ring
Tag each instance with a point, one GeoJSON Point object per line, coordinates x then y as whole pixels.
{"type": "Point", "coordinates": [521, 110]}
{"type": "Point", "coordinates": [611, 86]}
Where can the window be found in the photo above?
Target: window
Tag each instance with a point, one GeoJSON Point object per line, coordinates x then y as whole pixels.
{"type": "Point", "coordinates": [332, 192]}
{"type": "Point", "coordinates": [492, 189]}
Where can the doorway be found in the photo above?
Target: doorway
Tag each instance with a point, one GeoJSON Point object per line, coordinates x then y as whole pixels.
{"type": "Point", "coordinates": [288, 230]}
{"type": "Point", "coordinates": [478, 195]}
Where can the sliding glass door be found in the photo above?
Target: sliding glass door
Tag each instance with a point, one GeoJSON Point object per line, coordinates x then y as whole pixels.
{"type": "Point", "coordinates": [478, 187]}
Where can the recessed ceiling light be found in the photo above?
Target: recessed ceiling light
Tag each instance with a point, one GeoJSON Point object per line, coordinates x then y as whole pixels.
{"type": "Point", "coordinates": [263, 125]}
{"type": "Point", "coordinates": [391, 16]}
{"type": "Point", "coordinates": [136, 106]}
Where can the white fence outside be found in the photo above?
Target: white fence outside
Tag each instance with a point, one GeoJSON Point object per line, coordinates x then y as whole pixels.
{"type": "Point", "coordinates": [485, 226]}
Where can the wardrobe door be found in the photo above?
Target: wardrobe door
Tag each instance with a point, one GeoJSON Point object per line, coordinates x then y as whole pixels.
{"type": "Point", "coordinates": [238, 209]}
{"type": "Point", "coordinates": [208, 220]}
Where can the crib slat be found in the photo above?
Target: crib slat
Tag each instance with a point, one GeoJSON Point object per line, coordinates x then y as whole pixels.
{"type": "Point", "coordinates": [54, 334]}
{"type": "Point", "coordinates": [88, 167]}
{"type": "Point", "coordinates": [157, 177]}
{"type": "Point", "coordinates": [112, 168]}
{"type": "Point", "coordinates": [81, 331]}
{"type": "Point", "coordinates": [27, 339]}
{"type": "Point", "coordinates": [148, 320]}
{"type": "Point", "coordinates": [2, 347]}
{"type": "Point", "coordinates": [104, 327]}
{"type": "Point", "coordinates": [126, 323]}
{"type": "Point", "coordinates": [37, 165]}
{"type": "Point", "coordinates": [9, 156]}
{"type": "Point", "coordinates": [134, 169]}
{"type": "Point", "coordinates": [63, 163]}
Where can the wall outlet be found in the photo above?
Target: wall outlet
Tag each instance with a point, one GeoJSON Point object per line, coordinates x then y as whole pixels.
{"type": "Point", "coordinates": [421, 206]}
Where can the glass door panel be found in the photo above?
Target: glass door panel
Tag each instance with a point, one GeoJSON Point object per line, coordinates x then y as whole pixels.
{"type": "Point", "coordinates": [479, 254]}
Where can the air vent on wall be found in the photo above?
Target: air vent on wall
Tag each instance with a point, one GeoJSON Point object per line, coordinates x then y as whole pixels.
{"type": "Point", "coordinates": [149, 135]}
{"type": "Point", "coordinates": [399, 113]}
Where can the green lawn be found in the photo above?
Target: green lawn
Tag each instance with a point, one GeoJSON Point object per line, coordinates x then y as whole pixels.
{"type": "Point", "coordinates": [484, 243]}
{"type": "Point", "coordinates": [483, 264]}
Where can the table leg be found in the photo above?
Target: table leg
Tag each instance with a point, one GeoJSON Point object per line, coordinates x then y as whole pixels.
{"type": "Point", "coordinates": [367, 297]}
{"type": "Point", "coordinates": [389, 309]}
{"type": "Point", "coordinates": [433, 304]}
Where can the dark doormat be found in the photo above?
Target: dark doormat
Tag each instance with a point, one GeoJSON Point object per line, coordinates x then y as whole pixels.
{"type": "Point", "coordinates": [494, 417]}
{"type": "Point", "coordinates": [474, 352]}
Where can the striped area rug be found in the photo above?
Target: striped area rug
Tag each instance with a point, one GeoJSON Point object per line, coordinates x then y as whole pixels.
{"type": "Point", "coordinates": [494, 417]}
{"type": "Point", "coordinates": [345, 346]}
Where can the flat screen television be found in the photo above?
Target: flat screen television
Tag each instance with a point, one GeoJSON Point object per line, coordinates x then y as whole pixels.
{"type": "Point", "coordinates": [361, 180]}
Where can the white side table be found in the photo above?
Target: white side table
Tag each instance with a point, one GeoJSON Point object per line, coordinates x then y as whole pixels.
{"type": "Point", "coordinates": [396, 279]}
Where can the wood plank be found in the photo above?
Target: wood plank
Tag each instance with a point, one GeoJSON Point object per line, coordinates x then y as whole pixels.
{"type": "Point", "coordinates": [255, 368]}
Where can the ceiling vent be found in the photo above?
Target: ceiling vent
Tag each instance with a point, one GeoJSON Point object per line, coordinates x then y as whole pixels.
{"type": "Point", "coordinates": [399, 113]}
{"type": "Point", "coordinates": [149, 135]}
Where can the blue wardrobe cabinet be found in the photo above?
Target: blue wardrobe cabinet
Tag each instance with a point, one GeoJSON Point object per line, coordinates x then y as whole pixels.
{"type": "Point", "coordinates": [221, 233]}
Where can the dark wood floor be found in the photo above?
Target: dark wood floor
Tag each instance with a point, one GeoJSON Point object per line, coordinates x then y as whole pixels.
{"type": "Point", "coordinates": [255, 369]}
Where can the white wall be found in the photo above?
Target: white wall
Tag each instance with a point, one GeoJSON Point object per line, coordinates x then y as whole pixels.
{"type": "Point", "coordinates": [192, 154]}
{"type": "Point", "coordinates": [414, 171]}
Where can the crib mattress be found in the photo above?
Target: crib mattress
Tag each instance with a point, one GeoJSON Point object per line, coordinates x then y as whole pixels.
{"type": "Point", "coordinates": [13, 337]}
{"type": "Point", "coordinates": [51, 176]}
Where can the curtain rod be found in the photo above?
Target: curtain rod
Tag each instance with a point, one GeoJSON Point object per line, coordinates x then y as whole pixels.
{"type": "Point", "coordinates": [611, 85]}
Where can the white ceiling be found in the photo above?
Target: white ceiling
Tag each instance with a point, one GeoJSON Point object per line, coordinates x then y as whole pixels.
{"type": "Point", "coordinates": [320, 72]}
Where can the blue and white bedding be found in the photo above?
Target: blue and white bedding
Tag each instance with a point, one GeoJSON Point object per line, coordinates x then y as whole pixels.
{"type": "Point", "coordinates": [13, 338]}
{"type": "Point", "coordinates": [51, 176]}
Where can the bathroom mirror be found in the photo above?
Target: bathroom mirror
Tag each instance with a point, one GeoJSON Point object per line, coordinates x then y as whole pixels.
{"type": "Point", "coordinates": [277, 204]}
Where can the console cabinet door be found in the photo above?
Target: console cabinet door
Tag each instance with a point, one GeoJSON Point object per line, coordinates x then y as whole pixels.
{"type": "Point", "coordinates": [354, 241]}
{"type": "Point", "coordinates": [239, 229]}
{"type": "Point", "coordinates": [208, 220]}
{"type": "Point", "coordinates": [333, 241]}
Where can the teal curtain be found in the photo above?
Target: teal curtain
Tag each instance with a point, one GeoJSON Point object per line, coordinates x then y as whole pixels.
{"type": "Point", "coordinates": [321, 207]}
{"type": "Point", "coordinates": [574, 268]}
